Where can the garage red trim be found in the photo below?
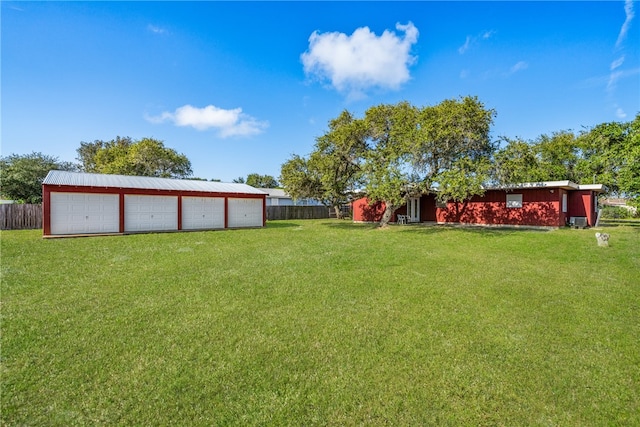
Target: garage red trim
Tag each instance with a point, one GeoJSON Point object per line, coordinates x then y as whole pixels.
{"type": "Point", "coordinates": [121, 191]}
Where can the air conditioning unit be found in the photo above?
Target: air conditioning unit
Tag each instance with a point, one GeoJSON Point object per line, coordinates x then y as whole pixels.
{"type": "Point", "coordinates": [578, 221]}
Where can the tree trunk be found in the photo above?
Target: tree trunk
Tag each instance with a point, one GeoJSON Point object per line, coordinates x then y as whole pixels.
{"type": "Point", "coordinates": [338, 211]}
{"type": "Point", "coordinates": [460, 209]}
{"type": "Point", "coordinates": [389, 209]}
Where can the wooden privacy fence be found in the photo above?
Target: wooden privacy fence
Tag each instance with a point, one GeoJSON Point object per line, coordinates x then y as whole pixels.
{"type": "Point", "coordinates": [23, 216]}
{"type": "Point", "coordinates": [20, 217]}
{"type": "Point", "coordinates": [297, 212]}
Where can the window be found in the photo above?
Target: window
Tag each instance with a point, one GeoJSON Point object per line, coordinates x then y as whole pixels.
{"type": "Point", "coordinates": [564, 203]}
{"type": "Point", "coordinates": [514, 200]}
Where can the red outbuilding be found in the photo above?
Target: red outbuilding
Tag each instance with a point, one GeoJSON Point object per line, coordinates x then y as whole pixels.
{"type": "Point", "coordinates": [86, 203]}
{"type": "Point", "coordinates": [541, 204]}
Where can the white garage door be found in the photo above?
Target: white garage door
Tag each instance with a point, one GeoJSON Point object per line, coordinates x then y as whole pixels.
{"type": "Point", "coordinates": [200, 213]}
{"type": "Point", "coordinates": [245, 212]}
{"type": "Point", "coordinates": [150, 213]}
{"type": "Point", "coordinates": [82, 213]}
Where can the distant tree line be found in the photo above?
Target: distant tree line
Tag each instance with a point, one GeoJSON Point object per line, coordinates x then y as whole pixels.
{"type": "Point", "coordinates": [258, 181]}
{"type": "Point", "coordinates": [21, 176]}
{"type": "Point", "coordinates": [124, 156]}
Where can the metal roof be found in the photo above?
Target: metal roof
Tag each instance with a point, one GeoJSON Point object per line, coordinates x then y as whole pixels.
{"type": "Point", "coordinates": [56, 177]}
{"type": "Point", "coordinates": [567, 185]}
{"type": "Point", "coordinates": [276, 192]}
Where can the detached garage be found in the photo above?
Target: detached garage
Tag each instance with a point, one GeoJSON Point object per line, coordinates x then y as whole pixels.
{"type": "Point", "coordinates": [85, 204]}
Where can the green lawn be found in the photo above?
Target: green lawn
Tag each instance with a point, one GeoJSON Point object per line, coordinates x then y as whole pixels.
{"type": "Point", "coordinates": [322, 322]}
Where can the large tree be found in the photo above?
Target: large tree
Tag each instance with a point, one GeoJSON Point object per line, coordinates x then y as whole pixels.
{"type": "Point", "coordinates": [558, 156]}
{"type": "Point", "coordinates": [333, 169]}
{"type": "Point", "coordinates": [610, 154]}
{"type": "Point", "coordinates": [398, 150]}
{"type": "Point", "coordinates": [301, 179]}
{"type": "Point", "coordinates": [446, 147]}
{"type": "Point", "coordinates": [338, 158]}
{"type": "Point", "coordinates": [629, 174]}
{"type": "Point", "coordinates": [554, 157]}
{"type": "Point", "coordinates": [515, 162]}
{"type": "Point", "coordinates": [391, 131]}
{"type": "Point", "coordinates": [453, 147]}
{"type": "Point", "coordinates": [124, 156]}
{"type": "Point", "coordinates": [21, 176]}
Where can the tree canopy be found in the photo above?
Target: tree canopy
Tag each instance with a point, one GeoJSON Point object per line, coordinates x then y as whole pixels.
{"type": "Point", "coordinates": [444, 148]}
{"type": "Point", "coordinates": [333, 168]}
{"type": "Point", "coordinates": [261, 181]}
{"type": "Point", "coordinates": [21, 176]}
{"type": "Point", "coordinates": [124, 156]}
{"type": "Point", "coordinates": [453, 147]}
{"type": "Point", "coordinates": [258, 181]}
{"type": "Point", "coordinates": [387, 159]}
{"type": "Point", "coordinates": [397, 150]}
{"type": "Point", "coordinates": [608, 153]}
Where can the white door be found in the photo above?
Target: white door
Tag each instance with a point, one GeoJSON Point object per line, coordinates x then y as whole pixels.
{"type": "Point", "coordinates": [200, 213]}
{"type": "Point", "coordinates": [150, 213]}
{"type": "Point", "coordinates": [413, 209]}
{"type": "Point", "coordinates": [84, 213]}
{"type": "Point", "coordinates": [245, 212]}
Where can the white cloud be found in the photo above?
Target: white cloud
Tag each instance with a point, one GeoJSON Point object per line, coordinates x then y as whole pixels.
{"type": "Point", "coordinates": [488, 34]}
{"type": "Point", "coordinates": [462, 49]}
{"type": "Point", "coordinates": [608, 81]}
{"type": "Point", "coordinates": [518, 66]}
{"type": "Point", "coordinates": [615, 71]}
{"type": "Point", "coordinates": [472, 40]}
{"type": "Point", "coordinates": [613, 80]}
{"type": "Point", "coordinates": [617, 63]}
{"type": "Point", "coordinates": [227, 122]}
{"type": "Point", "coordinates": [521, 65]}
{"type": "Point", "coordinates": [362, 60]}
{"type": "Point", "coordinates": [155, 29]}
{"type": "Point", "coordinates": [629, 14]}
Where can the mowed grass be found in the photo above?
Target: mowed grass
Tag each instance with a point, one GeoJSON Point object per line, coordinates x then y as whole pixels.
{"type": "Point", "coordinates": [322, 322]}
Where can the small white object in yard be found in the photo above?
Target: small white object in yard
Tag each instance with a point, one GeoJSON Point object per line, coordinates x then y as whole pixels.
{"type": "Point", "coordinates": [603, 239]}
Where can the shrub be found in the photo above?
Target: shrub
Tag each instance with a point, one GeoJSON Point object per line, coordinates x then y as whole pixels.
{"type": "Point", "coordinates": [617, 212]}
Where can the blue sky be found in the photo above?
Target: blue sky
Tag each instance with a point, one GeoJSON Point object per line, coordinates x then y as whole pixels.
{"type": "Point", "coordinates": [238, 87]}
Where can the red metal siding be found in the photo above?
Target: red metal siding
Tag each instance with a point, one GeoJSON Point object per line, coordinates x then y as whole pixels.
{"type": "Point", "coordinates": [226, 212]}
{"type": "Point", "coordinates": [563, 218]}
{"type": "Point", "coordinates": [179, 212]}
{"type": "Point", "coordinates": [264, 211]}
{"type": "Point", "coordinates": [540, 207]}
{"type": "Point", "coordinates": [364, 212]}
{"type": "Point", "coordinates": [402, 210]}
{"type": "Point", "coordinates": [582, 203]}
{"type": "Point", "coordinates": [46, 212]}
{"type": "Point", "coordinates": [121, 212]}
{"type": "Point", "coordinates": [428, 208]}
